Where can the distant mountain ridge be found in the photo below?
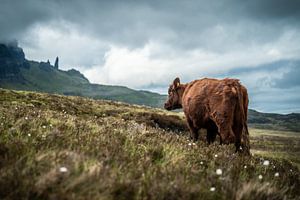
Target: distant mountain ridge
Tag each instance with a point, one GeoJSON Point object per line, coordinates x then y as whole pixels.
{"type": "Point", "coordinates": [289, 122]}
{"type": "Point", "coordinates": [18, 73]}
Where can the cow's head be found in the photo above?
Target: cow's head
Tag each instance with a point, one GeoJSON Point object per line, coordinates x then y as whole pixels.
{"type": "Point", "coordinates": [175, 94]}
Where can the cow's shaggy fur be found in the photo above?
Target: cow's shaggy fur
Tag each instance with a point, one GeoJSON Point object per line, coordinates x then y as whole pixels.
{"type": "Point", "coordinates": [220, 106]}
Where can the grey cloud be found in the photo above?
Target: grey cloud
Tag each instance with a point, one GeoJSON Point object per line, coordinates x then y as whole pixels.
{"type": "Point", "coordinates": [290, 79]}
{"type": "Point", "coordinates": [17, 16]}
{"type": "Point", "coordinates": [185, 24]}
{"type": "Point", "coordinates": [275, 100]}
{"type": "Point", "coordinates": [263, 67]}
{"type": "Point", "coordinates": [274, 9]}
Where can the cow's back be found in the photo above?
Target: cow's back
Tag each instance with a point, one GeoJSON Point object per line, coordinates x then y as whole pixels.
{"type": "Point", "coordinates": [209, 90]}
{"type": "Point", "coordinates": [202, 97]}
{"type": "Point", "coordinates": [198, 97]}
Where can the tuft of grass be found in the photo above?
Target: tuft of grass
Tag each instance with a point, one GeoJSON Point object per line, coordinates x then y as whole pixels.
{"type": "Point", "coordinates": [57, 147]}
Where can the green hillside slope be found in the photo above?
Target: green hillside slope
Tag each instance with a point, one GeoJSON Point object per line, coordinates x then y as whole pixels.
{"type": "Point", "coordinates": [59, 147]}
{"type": "Point", "coordinates": [290, 122]}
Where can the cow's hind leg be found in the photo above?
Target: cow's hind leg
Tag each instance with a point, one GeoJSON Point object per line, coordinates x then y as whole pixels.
{"type": "Point", "coordinates": [225, 130]}
{"type": "Point", "coordinates": [193, 130]}
{"type": "Point", "coordinates": [238, 128]}
{"type": "Point", "coordinates": [211, 136]}
{"type": "Point", "coordinates": [227, 135]}
{"type": "Point", "coordinates": [245, 139]}
{"type": "Point", "coordinates": [223, 116]}
{"type": "Point", "coordinates": [212, 131]}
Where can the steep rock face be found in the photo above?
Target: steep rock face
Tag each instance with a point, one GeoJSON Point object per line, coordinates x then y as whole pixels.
{"type": "Point", "coordinates": [12, 58]}
{"type": "Point", "coordinates": [12, 51]}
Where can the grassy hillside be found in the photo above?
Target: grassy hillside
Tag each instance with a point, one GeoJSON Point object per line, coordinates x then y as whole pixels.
{"type": "Point", "coordinates": [288, 122]}
{"type": "Point", "coordinates": [58, 147]}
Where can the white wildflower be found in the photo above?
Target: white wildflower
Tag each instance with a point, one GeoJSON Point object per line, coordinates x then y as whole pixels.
{"type": "Point", "coordinates": [29, 134]}
{"type": "Point", "coordinates": [26, 118]}
{"type": "Point", "coordinates": [194, 143]}
{"type": "Point", "coordinates": [212, 189]}
{"type": "Point", "coordinates": [245, 167]}
{"type": "Point", "coordinates": [216, 155]}
{"type": "Point", "coordinates": [219, 172]}
{"type": "Point", "coordinates": [63, 169]}
{"type": "Point", "coordinates": [276, 174]}
{"type": "Point", "coordinates": [260, 177]}
{"type": "Point", "coordinates": [190, 144]}
{"type": "Point", "coordinates": [44, 126]}
{"type": "Point", "coordinates": [201, 163]}
{"type": "Point", "coordinates": [266, 162]}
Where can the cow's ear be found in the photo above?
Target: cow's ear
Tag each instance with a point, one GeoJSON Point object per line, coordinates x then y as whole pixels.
{"type": "Point", "coordinates": [176, 82]}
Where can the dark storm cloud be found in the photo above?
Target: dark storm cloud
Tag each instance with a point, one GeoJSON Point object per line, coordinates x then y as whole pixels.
{"type": "Point", "coordinates": [187, 24]}
{"type": "Point", "coordinates": [274, 9]}
{"type": "Point", "coordinates": [17, 16]}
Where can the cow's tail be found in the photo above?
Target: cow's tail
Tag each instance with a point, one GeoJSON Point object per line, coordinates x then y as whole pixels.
{"type": "Point", "coordinates": [241, 112]}
{"type": "Point", "coordinates": [245, 132]}
{"type": "Point", "coordinates": [245, 139]}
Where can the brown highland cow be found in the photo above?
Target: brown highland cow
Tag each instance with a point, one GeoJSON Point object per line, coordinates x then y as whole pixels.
{"type": "Point", "coordinates": [220, 106]}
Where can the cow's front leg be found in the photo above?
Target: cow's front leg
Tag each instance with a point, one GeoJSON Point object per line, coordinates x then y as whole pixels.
{"type": "Point", "coordinates": [194, 135]}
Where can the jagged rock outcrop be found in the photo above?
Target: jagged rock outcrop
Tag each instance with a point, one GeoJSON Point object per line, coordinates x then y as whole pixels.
{"type": "Point", "coordinates": [56, 63]}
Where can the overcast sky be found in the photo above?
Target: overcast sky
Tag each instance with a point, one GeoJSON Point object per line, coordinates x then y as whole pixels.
{"type": "Point", "coordinates": [146, 44]}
